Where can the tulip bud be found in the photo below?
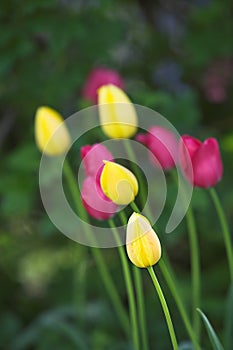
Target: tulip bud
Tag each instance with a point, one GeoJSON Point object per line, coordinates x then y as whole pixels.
{"type": "Point", "coordinates": [95, 202]}
{"type": "Point", "coordinates": [205, 168]}
{"type": "Point", "coordinates": [118, 183]}
{"type": "Point", "coordinates": [98, 77]}
{"type": "Point", "coordinates": [51, 134]}
{"type": "Point", "coordinates": [163, 146]}
{"type": "Point", "coordinates": [118, 117]}
{"type": "Point", "coordinates": [142, 244]}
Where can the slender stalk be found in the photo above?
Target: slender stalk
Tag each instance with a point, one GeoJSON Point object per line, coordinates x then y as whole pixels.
{"type": "Point", "coordinates": [112, 290]}
{"type": "Point", "coordinates": [80, 269]}
{"type": "Point", "coordinates": [164, 306]}
{"type": "Point", "coordinates": [179, 303]}
{"type": "Point", "coordinates": [129, 286]}
{"type": "Point", "coordinates": [225, 229]}
{"type": "Point", "coordinates": [195, 269]}
{"type": "Point", "coordinates": [195, 266]}
{"type": "Point", "coordinates": [139, 292]}
{"type": "Point", "coordinates": [141, 306]}
{"type": "Point", "coordinates": [135, 207]}
{"type": "Point", "coordinates": [101, 265]}
{"type": "Point", "coordinates": [74, 190]}
{"type": "Point", "coordinates": [169, 278]}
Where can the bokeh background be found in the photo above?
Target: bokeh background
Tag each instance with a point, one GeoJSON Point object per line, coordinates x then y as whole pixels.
{"type": "Point", "coordinates": [175, 57]}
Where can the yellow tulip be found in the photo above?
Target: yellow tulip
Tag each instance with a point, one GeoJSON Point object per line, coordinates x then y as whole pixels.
{"type": "Point", "coordinates": [51, 134]}
{"type": "Point", "coordinates": [142, 243]}
{"type": "Point", "coordinates": [118, 183]}
{"type": "Point", "coordinates": [118, 117]}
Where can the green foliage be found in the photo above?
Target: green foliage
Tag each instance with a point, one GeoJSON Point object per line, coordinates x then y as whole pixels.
{"type": "Point", "coordinates": [212, 335]}
{"type": "Point", "coordinates": [204, 30]}
{"type": "Point", "coordinates": [19, 180]}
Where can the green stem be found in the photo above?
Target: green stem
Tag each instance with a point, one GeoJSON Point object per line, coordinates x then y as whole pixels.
{"type": "Point", "coordinates": [195, 269]}
{"type": "Point", "coordinates": [80, 270]}
{"type": "Point", "coordinates": [141, 306]}
{"type": "Point", "coordinates": [74, 190]}
{"type": "Point", "coordinates": [112, 290]}
{"type": "Point", "coordinates": [225, 229]}
{"type": "Point", "coordinates": [135, 207]}
{"type": "Point", "coordinates": [101, 265]}
{"type": "Point", "coordinates": [139, 290]}
{"type": "Point", "coordinates": [179, 303]}
{"type": "Point", "coordinates": [164, 306]}
{"type": "Point", "coordinates": [129, 286]}
{"type": "Point", "coordinates": [195, 265]}
{"type": "Point", "coordinates": [169, 278]}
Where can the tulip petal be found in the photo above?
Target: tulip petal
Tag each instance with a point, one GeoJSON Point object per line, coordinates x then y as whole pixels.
{"type": "Point", "coordinates": [98, 77]}
{"type": "Point", "coordinates": [188, 146]}
{"type": "Point", "coordinates": [207, 164]}
{"type": "Point", "coordinates": [118, 183]}
{"type": "Point", "coordinates": [51, 134]}
{"type": "Point", "coordinates": [142, 138]}
{"type": "Point", "coordinates": [162, 145]}
{"type": "Point", "coordinates": [118, 117]}
{"type": "Point", "coordinates": [192, 144]}
{"type": "Point", "coordinates": [142, 244]}
{"type": "Point", "coordinates": [95, 202]}
{"type": "Point", "coordinates": [93, 156]}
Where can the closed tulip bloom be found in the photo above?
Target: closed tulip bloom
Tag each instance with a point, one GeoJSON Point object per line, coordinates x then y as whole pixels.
{"type": "Point", "coordinates": [201, 162]}
{"type": "Point", "coordinates": [142, 243]}
{"type": "Point", "coordinates": [98, 77]}
{"type": "Point", "coordinates": [118, 117]}
{"type": "Point", "coordinates": [93, 156]}
{"type": "Point", "coordinates": [118, 183]}
{"type": "Point", "coordinates": [163, 146]}
{"type": "Point", "coordinates": [95, 202]}
{"type": "Point", "coordinates": [51, 134]}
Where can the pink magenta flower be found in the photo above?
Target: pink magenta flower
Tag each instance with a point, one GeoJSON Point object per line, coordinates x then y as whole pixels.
{"type": "Point", "coordinates": [163, 146]}
{"type": "Point", "coordinates": [98, 77]}
{"type": "Point", "coordinates": [96, 203]}
{"type": "Point", "coordinates": [92, 158]}
{"type": "Point", "coordinates": [201, 161]}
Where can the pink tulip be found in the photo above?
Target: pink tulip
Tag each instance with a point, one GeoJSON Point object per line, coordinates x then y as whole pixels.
{"type": "Point", "coordinates": [92, 158]}
{"type": "Point", "coordinates": [98, 77]}
{"type": "Point", "coordinates": [163, 146]}
{"type": "Point", "coordinates": [95, 202]}
{"type": "Point", "coordinates": [201, 161]}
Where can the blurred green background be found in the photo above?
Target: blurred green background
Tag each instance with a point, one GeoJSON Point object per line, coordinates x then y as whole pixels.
{"type": "Point", "coordinates": [175, 57]}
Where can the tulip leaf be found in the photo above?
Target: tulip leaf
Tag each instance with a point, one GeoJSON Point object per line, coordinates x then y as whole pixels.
{"type": "Point", "coordinates": [229, 319]}
{"type": "Point", "coordinates": [211, 333]}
